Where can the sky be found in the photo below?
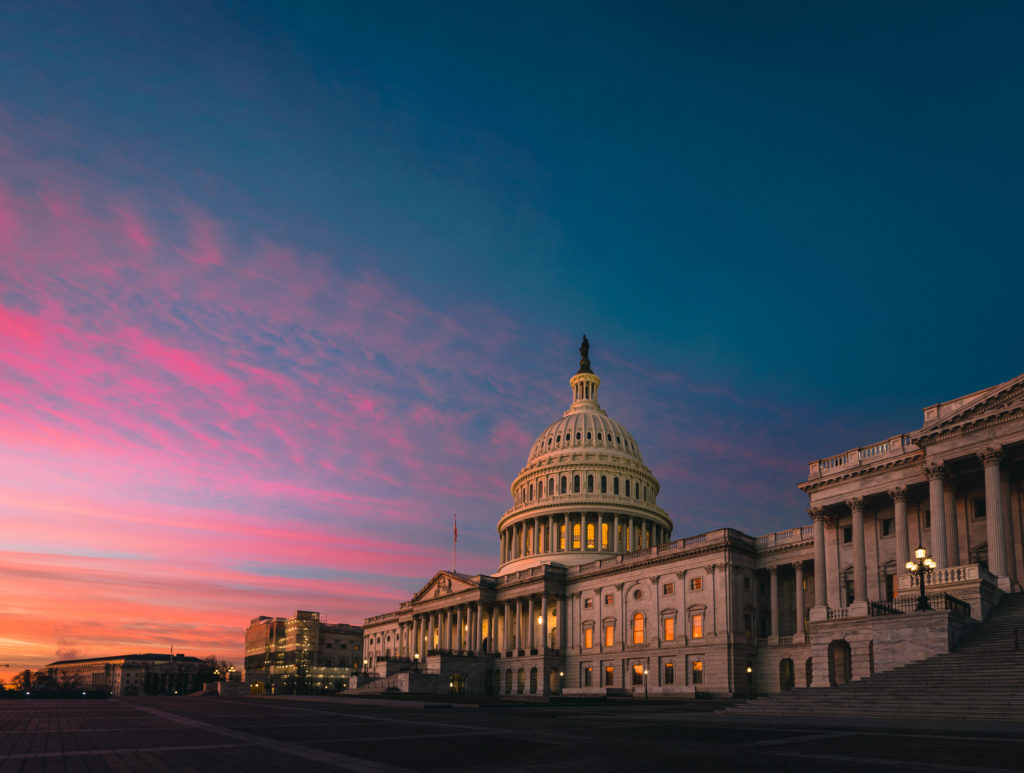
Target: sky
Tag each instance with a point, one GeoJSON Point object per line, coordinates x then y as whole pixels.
{"type": "Point", "coordinates": [284, 286]}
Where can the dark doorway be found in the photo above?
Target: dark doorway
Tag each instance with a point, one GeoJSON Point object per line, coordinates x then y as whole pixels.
{"type": "Point", "coordinates": [839, 665]}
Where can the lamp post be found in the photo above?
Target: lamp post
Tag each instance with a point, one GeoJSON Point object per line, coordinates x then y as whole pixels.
{"type": "Point", "coordinates": [645, 683]}
{"type": "Point", "coordinates": [750, 681]}
{"type": "Point", "coordinates": [919, 568]}
{"type": "Point", "coordinates": [561, 682]}
{"type": "Point", "coordinates": [416, 662]}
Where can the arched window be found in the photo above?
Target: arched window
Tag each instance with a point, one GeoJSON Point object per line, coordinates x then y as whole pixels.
{"type": "Point", "coordinates": [615, 485]}
{"type": "Point", "coordinates": [575, 536]}
{"type": "Point", "coordinates": [577, 437]}
{"type": "Point", "coordinates": [531, 492]}
{"type": "Point", "coordinates": [521, 681]}
{"type": "Point", "coordinates": [604, 536]}
{"type": "Point", "coordinates": [604, 484]}
{"type": "Point", "coordinates": [551, 487]}
{"type": "Point", "coordinates": [636, 490]}
{"type": "Point", "coordinates": [575, 484]}
{"type": "Point", "coordinates": [590, 484]}
{"type": "Point", "coordinates": [598, 435]}
{"type": "Point", "coordinates": [562, 486]}
{"type": "Point", "coordinates": [590, 536]}
{"type": "Point", "coordinates": [638, 628]}
{"type": "Point", "coordinates": [627, 487]}
{"type": "Point", "coordinates": [588, 436]}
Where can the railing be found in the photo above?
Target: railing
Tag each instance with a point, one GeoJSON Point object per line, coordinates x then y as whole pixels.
{"type": "Point", "coordinates": [948, 576]}
{"type": "Point", "coordinates": [905, 604]}
{"type": "Point", "coordinates": [785, 537]}
{"type": "Point", "coordinates": [839, 613]}
{"type": "Point", "coordinates": [762, 641]}
{"type": "Point", "coordinates": [897, 445]}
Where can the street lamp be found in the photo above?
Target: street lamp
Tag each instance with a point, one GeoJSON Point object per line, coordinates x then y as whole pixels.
{"type": "Point", "coordinates": [561, 682]}
{"type": "Point", "coordinates": [416, 662]}
{"type": "Point", "coordinates": [750, 681]}
{"type": "Point", "coordinates": [922, 566]}
{"type": "Point", "coordinates": [645, 684]}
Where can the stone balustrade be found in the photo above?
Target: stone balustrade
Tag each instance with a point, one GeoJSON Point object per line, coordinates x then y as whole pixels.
{"type": "Point", "coordinates": [897, 445]}
{"type": "Point", "coordinates": [948, 576]}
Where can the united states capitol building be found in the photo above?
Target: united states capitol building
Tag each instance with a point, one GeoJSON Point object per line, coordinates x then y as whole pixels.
{"type": "Point", "coordinates": [593, 594]}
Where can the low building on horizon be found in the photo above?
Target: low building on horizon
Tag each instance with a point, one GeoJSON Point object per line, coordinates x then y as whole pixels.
{"type": "Point", "coordinates": [153, 673]}
{"type": "Point", "coordinates": [300, 654]}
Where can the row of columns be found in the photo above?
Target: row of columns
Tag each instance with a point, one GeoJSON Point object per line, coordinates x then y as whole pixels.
{"type": "Point", "coordinates": [523, 538]}
{"type": "Point", "coordinates": [461, 628]}
{"type": "Point", "coordinates": [995, 526]}
{"type": "Point", "coordinates": [773, 590]}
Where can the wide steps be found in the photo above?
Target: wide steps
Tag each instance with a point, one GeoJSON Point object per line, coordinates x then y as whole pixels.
{"type": "Point", "coordinates": [981, 679]}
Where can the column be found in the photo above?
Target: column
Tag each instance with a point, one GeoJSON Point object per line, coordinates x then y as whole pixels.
{"type": "Point", "coordinates": [493, 645]}
{"type": "Point", "coordinates": [952, 537]}
{"type": "Point", "coordinates": [936, 499]}
{"type": "Point", "coordinates": [773, 599]}
{"type": "Point", "coordinates": [479, 627]}
{"type": "Point", "coordinates": [860, 572]}
{"type": "Point", "coordinates": [820, 610]}
{"type": "Point", "coordinates": [430, 634]}
{"type": "Point", "coordinates": [899, 498]}
{"type": "Point", "coordinates": [563, 623]}
{"type": "Point", "coordinates": [544, 625]}
{"type": "Point", "coordinates": [615, 535]}
{"type": "Point", "coordinates": [522, 539]}
{"type": "Point", "coordinates": [995, 529]}
{"type": "Point", "coordinates": [519, 625]}
{"type": "Point", "coordinates": [533, 625]}
{"type": "Point", "coordinates": [506, 628]}
{"type": "Point", "coordinates": [798, 567]}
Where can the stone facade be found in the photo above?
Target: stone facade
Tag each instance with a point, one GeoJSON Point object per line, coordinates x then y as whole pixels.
{"type": "Point", "coordinates": [121, 675]}
{"type": "Point", "coordinates": [593, 596]}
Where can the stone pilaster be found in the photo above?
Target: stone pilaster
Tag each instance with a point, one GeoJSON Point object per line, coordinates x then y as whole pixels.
{"type": "Point", "coordinates": [820, 609]}
{"type": "Point", "coordinates": [936, 473]}
{"type": "Point", "coordinates": [899, 498]}
{"type": "Point", "coordinates": [995, 527]}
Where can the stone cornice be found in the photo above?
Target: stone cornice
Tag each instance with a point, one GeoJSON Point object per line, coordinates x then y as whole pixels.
{"type": "Point", "coordinates": [907, 462]}
{"type": "Point", "coordinates": [993, 410]}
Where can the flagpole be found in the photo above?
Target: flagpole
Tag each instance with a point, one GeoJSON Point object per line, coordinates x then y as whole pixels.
{"type": "Point", "coordinates": [455, 538]}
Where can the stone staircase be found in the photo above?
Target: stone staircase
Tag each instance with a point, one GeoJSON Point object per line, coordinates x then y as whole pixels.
{"type": "Point", "coordinates": [981, 679]}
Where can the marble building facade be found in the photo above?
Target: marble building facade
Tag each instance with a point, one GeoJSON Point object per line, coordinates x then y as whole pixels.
{"type": "Point", "coordinates": [592, 594]}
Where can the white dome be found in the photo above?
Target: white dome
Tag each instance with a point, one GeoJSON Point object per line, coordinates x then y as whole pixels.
{"type": "Point", "coordinates": [585, 492]}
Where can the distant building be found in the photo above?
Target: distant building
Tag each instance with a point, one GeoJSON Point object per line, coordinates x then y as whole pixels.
{"type": "Point", "coordinates": [300, 654]}
{"type": "Point", "coordinates": [146, 674]}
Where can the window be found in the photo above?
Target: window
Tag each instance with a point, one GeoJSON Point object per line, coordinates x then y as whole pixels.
{"type": "Point", "coordinates": [588, 603]}
{"type": "Point", "coordinates": [609, 676]}
{"type": "Point", "coordinates": [561, 536]}
{"type": "Point", "coordinates": [627, 488]}
{"type": "Point", "coordinates": [609, 599]}
{"type": "Point", "coordinates": [636, 491]}
{"type": "Point", "coordinates": [575, 484]}
{"type": "Point", "coordinates": [588, 676]}
{"type": "Point", "coordinates": [615, 485]}
{"type": "Point", "coordinates": [638, 628]}
{"type": "Point", "coordinates": [979, 509]}
{"type": "Point", "coordinates": [697, 671]}
{"type": "Point", "coordinates": [551, 487]}
{"type": "Point", "coordinates": [562, 486]}
{"type": "Point", "coordinates": [590, 484]}
{"type": "Point", "coordinates": [638, 594]}
{"type": "Point", "coordinates": [588, 638]}
{"type": "Point", "coordinates": [604, 536]}
{"type": "Point", "coordinates": [927, 519]}
{"type": "Point", "coordinates": [590, 537]}
{"type": "Point", "coordinates": [670, 629]}
{"type": "Point", "coordinates": [847, 535]}
{"type": "Point", "coordinates": [575, 536]}
{"type": "Point", "coordinates": [598, 435]}
{"type": "Point", "coordinates": [697, 625]}
{"type": "Point", "coordinates": [668, 589]}
{"type": "Point", "coordinates": [748, 626]}
{"type": "Point", "coordinates": [609, 635]}
{"type": "Point", "coordinates": [638, 675]}
{"type": "Point", "coordinates": [604, 484]}
{"type": "Point", "coordinates": [577, 436]}
{"type": "Point", "coordinates": [888, 527]}
{"type": "Point", "coordinates": [696, 583]}
{"type": "Point", "coordinates": [531, 491]}
{"type": "Point", "coordinates": [670, 676]}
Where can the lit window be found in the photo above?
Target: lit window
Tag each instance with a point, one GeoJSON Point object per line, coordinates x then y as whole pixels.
{"type": "Point", "coordinates": [670, 676]}
{"type": "Point", "coordinates": [561, 536]}
{"type": "Point", "coordinates": [670, 629]}
{"type": "Point", "coordinates": [697, 670]}
{"type": "Point", "coordinates": [638, 674]}
{"type": "Point", "coordinates": [609, 636]}
{"type": "Point", "coordinates": [590, 537]}
{"type": "Point", "coordinates": [575, 536]}
{"type": "Point", "coordinates": [668, 588]}
{"type": "Point", "coordinates": [588, 638]}
{"type": "Point", "coordinates": [697, 626]}
{"type": "Point", "coordinates": [588, 603]}
{"type": "Point", "coordinates": [696, 583]}
{"type": "Point", "coordinates": [604, 536]}
{"type": "Point", "coordinates": [588, 676]}
{"type": "Point", "coordinates": [609, 676]}
{"type": "Point", "coordinates": [609, 599]}
{"type": "Point", "coordinates": [638, 628]}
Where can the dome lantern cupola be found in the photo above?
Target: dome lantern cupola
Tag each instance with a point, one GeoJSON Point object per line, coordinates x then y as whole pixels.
{"type": "Point", "coordinates": [585, 492]}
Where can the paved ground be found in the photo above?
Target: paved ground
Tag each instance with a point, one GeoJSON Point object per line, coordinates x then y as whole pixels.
{"type": "Point", "coordinates": [275, 734]}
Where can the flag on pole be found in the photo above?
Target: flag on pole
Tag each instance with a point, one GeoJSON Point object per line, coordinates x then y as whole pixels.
{"type": "Point", "coordinates": [455, 537]}
{"type": "Point", "coordinates": [455, 521]}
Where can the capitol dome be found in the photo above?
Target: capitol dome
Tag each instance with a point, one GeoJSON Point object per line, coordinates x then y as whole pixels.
{"type": "Point", "coordinates": [585, 492]}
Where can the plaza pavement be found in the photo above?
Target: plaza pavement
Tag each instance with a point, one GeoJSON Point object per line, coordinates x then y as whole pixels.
{"type": "Point", "coordinates": [287, 734]}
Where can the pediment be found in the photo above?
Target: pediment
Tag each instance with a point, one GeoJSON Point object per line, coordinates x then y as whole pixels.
{"type": "Point", "coordinates": [995, 401]}
{"type": "Point", "coordinates": [444, 584]}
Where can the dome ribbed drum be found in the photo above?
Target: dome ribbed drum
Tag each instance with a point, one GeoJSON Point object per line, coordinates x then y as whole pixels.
{"type": "Point", "coordinates": [585, 492]}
